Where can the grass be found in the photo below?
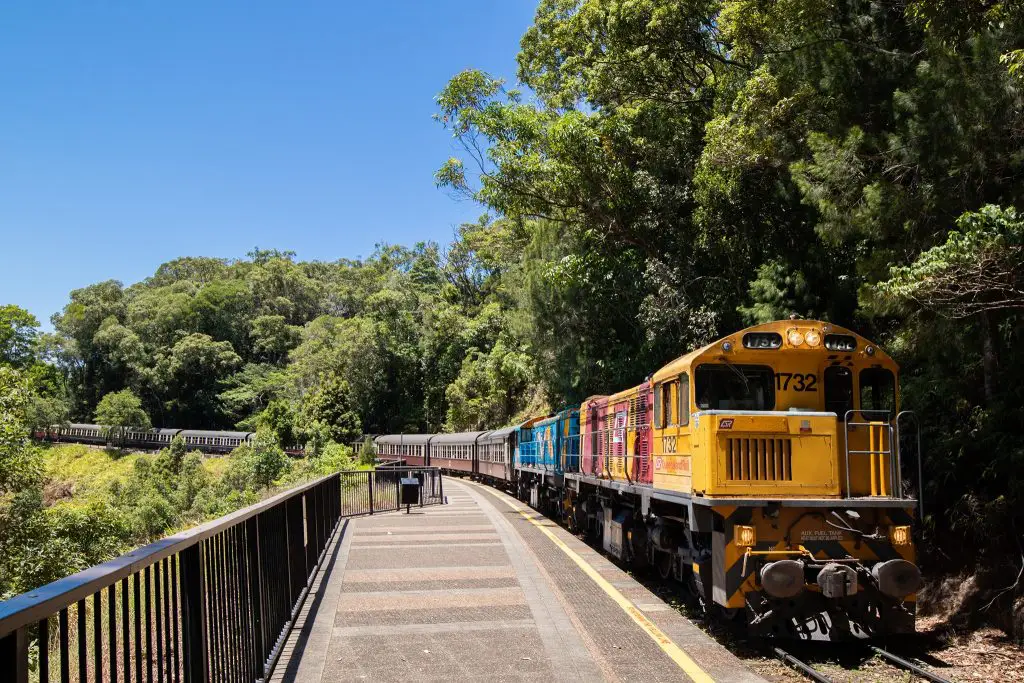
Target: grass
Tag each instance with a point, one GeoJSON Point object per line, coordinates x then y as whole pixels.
{"type": "Point", "coordinates": [216, 465]}
{"type": "Point", "coordinates": [88, 471]}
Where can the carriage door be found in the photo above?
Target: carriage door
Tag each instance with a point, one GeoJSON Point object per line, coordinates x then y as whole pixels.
{"type": "Point", "coordinates": [839, 400]}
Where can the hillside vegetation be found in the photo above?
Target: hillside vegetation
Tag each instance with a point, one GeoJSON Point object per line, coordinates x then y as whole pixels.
{"type": "Point", "coordinates": [664, 173]}
{"type": "Point", "coordinates": [75, 506]}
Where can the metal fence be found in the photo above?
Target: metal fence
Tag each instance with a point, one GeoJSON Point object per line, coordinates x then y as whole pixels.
{"type": "Point", "coordinates": [379, 490]}
{"type": "Point", "coordinates": [215, 603]}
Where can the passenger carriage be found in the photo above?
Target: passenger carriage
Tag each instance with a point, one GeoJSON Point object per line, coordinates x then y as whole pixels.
{"type": "Point", "coordinates": [82, 433]}
{"type": "Point", "coordinates": [214, 441]}
{"type": "Point", "coordinates": [495, 454]}
{"type": "Point", "coordinates": [455, 453]}
{"type": "Point", "coordinates": [413, 449]}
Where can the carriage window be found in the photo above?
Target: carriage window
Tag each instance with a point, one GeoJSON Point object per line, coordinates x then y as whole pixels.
{"type": "Point", "coordinates": [684, 399]}
{"type": "Point", "coordinates": [734, 387]}
{"type": "Point", "coordinates": [838, 390]}
{"type": "Point", "coordinates": [877, 389]}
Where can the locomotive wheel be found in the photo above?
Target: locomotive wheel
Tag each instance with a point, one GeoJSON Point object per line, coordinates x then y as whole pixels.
{"type": "Point", "coordinates": [696, 590]}
{"type": "Point", "coordinates": [663, 563]}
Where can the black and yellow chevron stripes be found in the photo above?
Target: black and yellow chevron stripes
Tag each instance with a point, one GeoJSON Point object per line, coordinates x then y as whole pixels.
{"type": "Point", "coordinates": [793, 529]}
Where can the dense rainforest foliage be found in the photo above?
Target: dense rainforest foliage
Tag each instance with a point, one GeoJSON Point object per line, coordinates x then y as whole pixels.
{"type": "Point", "coordinates": [662, 173]}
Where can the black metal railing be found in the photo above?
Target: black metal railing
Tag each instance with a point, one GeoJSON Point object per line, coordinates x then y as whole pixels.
{"type": "Point", "coordinates": [215, 603]}
{"type": "Point", "coordinates": [370, 491]}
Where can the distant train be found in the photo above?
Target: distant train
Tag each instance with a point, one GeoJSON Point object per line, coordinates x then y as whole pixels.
{"type": "Point", "coordinates": [206, 441]}
{"type": "Point", "coordinates": [763, 471]}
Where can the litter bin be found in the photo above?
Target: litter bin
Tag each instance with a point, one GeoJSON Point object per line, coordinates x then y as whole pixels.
{"type": "Point", "coordinates": [410, 492]}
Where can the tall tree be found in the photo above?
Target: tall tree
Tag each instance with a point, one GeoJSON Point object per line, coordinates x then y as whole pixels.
{"type": "Point", "coordinates": [119, 412]}
{"type": "Point", "coordinates": [17, 335]}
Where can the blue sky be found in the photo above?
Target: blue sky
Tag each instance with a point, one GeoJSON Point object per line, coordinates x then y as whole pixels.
{"type": "Point", "coordinates": [136, 132]}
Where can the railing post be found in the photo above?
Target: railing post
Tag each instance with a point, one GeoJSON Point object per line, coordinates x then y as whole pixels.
{"type": "Point", "coordinates": [309, 505]}
{"type": "Point", "coordinates": [371, 475]}
{"type": "Point", "coordinates": [252, 546]}
{"type": "Point", "coordinates": [336, 499]}
{"type": "Point", "coordinates": [296, 548]}
{"type": "Point", "coordinates": [318, 503]}
{"type": "Point", "coordinates": [193, 613]}
{"type": "Point", "coordinates": [14, 654]}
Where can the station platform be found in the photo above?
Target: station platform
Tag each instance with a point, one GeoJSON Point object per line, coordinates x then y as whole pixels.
{"type": "Point", "coordinates": [484, 588]}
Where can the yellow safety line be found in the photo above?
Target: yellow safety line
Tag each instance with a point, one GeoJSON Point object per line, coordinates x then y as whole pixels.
{"type": "Point", "coordinates": [657, 635]}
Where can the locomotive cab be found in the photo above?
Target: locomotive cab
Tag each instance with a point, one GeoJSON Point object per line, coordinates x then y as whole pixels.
{"type": "Point", "coordinates": [787, 409]}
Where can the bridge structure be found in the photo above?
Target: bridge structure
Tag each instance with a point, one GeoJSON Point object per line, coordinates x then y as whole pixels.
{"type": "Point", "coordinates": [340, 580]}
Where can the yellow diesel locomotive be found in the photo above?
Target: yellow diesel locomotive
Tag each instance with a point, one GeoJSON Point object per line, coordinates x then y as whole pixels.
{"type": "Point", "coordinates": [764, 470]}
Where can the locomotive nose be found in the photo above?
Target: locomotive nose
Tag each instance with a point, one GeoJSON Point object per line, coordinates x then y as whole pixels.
{"type": "Point", "coordinates": [897, 578]}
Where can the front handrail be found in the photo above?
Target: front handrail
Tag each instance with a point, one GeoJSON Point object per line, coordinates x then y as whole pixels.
{"type": "Point", "coordinates": [886, 423]}
{"type": "Point", "coordinates": [909, 414]}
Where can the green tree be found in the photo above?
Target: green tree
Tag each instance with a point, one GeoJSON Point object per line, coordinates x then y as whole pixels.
{"type": "Point", "coordinates": [19, 463]}
{"type": "Point", "coordinates": [330, 405]}
{"type": "Point", "coordinates": [119, 412]}
{"type": "Point", "coordinates": [46, 411]}
{"type": "Point", "coordinates": [17, 335]}
{"type": "Point", "coordinates": [266, 459]}
{"type": "Point", "coordinates": [279, 419]}
{"type": "Point", "coordinates": [368, 452]}
{"type": "Point", "coordinates": [189, 374]}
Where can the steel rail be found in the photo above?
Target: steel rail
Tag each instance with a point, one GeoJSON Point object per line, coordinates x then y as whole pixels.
{"type": "Point", "coordinates": [909, 666]}
{"type": "Point", "coordinates": [801, 666]}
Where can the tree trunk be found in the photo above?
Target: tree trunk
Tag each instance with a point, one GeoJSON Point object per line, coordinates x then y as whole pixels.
{"type": "Point", "coordinates": [989, 358]}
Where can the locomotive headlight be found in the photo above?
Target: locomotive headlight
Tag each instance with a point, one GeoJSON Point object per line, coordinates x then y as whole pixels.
{"type": "Point", "coordinates": [899, 535]}
{"type": "Point", "coordinates": [812, 338]}
{"type": "Point", "coordinates": [746, 536]}
{"type": "Point", "coordinates": [796, 338]}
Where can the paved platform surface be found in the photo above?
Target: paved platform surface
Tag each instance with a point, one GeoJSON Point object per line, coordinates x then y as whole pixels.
{"type": "Point", "coordinates": [486, 589]}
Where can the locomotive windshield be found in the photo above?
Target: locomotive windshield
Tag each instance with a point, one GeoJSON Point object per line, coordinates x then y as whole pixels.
{"type": "Point", "coordinates": [734, 387]}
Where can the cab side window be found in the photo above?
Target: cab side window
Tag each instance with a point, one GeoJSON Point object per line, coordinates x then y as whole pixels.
{"type": "Point", "coordinates": [877, 389]}
{"type": "Point", "coordinates": [669, 406]}
{"type": "Point", "coordinates": [838, 390]}
{"type": "Point", "coordinates": [659, 408]}
{"type": "Point", "coordinates": [684, 399]}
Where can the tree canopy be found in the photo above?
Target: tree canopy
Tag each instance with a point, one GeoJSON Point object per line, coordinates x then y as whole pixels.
{"type": "Point", "coordinates": [119, 412]}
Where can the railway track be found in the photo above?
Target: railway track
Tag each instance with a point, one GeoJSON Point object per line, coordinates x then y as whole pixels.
{"type": "Point", "coordinates": [899, 662]}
